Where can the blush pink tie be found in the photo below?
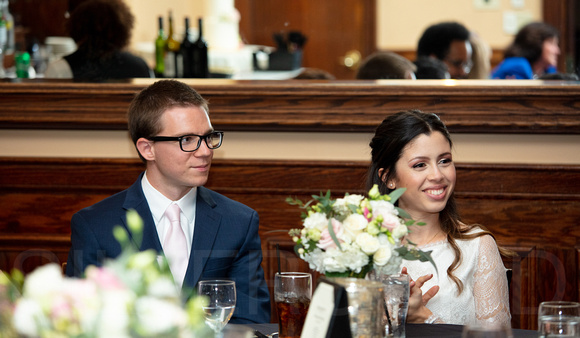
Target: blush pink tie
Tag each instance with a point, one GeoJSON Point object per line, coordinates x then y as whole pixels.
{"type": "Point", "coordinates": [174, 245]}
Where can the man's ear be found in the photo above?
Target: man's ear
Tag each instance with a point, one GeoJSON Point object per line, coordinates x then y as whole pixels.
{"type": "Point", "coordinates": [145, 148]}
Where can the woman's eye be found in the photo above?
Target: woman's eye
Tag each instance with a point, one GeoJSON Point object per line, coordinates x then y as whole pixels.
{"type": "Point", "coordinates": [445, 161]}
{"type": "Point", "coordinates": [419, 165]}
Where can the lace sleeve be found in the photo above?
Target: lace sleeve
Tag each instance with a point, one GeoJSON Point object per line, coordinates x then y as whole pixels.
{"type": "Point", "coordinates": [491, 288]}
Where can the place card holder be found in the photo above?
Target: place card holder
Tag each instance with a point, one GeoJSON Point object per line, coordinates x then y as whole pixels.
{"type": "Point", "coordinates": [328, 312]}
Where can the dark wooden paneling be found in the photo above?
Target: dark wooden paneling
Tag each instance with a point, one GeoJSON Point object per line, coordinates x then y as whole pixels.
{"type": "Point", "coordinates": [474, 106]}
{"type": "Point", "coordinates": [532, 209]}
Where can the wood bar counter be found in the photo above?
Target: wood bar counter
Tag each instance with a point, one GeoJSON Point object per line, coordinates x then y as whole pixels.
{"type": "Point", "coordinates": [533, 209]}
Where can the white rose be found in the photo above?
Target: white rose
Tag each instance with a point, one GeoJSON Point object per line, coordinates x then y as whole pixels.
{"type": "Point", "coordinates": [163, 287]}
{"type": "Point", "coordinates": [43, 282]}
{"type": "Point", "coordinates": [400, 231]}
{"type": "Point", "coordinates": [368, 243]}
{"type": "Point", "coordinates": [316, 221]}
{"type": "Point", "coordinates": [383, 255]}
{"type": "Point", "coordinates": [354, 224]}
{"type": "Point", "coordinates": [156, 316]}
{"type": "Point", "coordinates": [27, 317]}
{"type": "Point", "coordinates": [114, 318]}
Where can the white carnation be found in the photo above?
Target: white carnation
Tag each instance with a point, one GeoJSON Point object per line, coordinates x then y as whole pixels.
{"type": "Point", "coordinates": [316, 220]}
{"type": "Point", "coordinates": [368, 243]}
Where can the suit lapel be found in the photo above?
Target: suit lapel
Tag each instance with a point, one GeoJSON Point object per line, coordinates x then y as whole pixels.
{"type": "Point", "coordinates": [207, 223]}
{"type": "Point", "coordinates": [136, 200]}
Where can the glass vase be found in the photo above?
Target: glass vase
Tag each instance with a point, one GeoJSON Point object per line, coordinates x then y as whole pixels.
{"type": "Point", "coordinates": [365, 306]}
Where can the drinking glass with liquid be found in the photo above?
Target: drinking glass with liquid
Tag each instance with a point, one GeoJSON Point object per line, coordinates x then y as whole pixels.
{"type": "Point", "coordinates": [221, 296]}
{"type": "Point", "coordinates": [559, 319]}
{"type": "Point", "coordinates": [292, 294]}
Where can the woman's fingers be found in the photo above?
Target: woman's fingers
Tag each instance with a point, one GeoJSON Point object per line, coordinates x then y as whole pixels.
{"type": "Point", "coordinates": [421, 280]}
{"type": "Point", "coordinates": [430, 294]}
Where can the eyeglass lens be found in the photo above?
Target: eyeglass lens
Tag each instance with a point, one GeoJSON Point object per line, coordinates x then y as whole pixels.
{"type": "Point", "coordinates": [192, 142]}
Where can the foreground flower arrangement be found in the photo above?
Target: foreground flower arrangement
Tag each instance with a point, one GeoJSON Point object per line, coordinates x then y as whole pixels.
{"type": "Point", "coordinates": [350, 236]}
{"type": "Point", "coordinates": [131, 296]}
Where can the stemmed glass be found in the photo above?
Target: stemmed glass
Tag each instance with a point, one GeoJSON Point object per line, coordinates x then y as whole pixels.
{"type": "Point", "coordinates": [221, 296]}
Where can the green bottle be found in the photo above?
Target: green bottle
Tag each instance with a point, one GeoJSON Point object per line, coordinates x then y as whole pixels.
{"type": "Point", "coordinates": [22, 65]}
{"type": "Point", "coordinates": [160, 50]}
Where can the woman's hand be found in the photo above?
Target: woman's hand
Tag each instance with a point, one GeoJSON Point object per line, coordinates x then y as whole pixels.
{"type": "Point", "coordinates": [418, 312]}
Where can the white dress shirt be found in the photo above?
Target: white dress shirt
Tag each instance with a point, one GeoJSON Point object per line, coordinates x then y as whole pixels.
{"type": "Point", "coordinates": [158, 203]}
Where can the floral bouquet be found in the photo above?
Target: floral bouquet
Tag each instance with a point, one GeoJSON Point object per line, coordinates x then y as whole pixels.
{"type": "Point", "coordinates": [350, 236]}
{"type": "Point", "coordinates": [131, 296]}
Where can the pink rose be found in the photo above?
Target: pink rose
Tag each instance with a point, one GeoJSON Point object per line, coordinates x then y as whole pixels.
{"type": "Point", "coordinates": [104, 278]}
{"type": "Point", "coordinates": [326, 242]}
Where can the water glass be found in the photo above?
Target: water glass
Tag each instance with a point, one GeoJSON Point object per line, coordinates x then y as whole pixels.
{"type": "Point", "coordinates": [397, 292]}
{"type": "Point", "coordinates": [487, 331]}
{"type": "Point", "coordinates": [221, 303]}
{"type": "Point", "coordinates": [292, 294]}
{"type": "Point", "coordinates": [559, 319]}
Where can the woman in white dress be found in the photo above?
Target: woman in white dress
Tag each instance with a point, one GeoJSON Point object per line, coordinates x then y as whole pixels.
{"type": "Point", "coordinates": [412, 150]}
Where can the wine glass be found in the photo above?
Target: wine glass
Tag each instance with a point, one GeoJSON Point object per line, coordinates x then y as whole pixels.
{"type": "Point", "coordinates": [221, 302]}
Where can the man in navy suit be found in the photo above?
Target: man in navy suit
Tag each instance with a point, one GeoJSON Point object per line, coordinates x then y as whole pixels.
{"type": "Point", "coordinates": [170, 127]}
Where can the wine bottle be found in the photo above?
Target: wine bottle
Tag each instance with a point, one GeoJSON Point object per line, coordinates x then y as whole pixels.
{"type": "Point", "coordinates": [160, 50]}
{"type": "Point", "coordinates": [200, 60]}
{"type": "Point", "coordinates": [171, 51]}
{"type": "Point", "coordinates": [186, 51]}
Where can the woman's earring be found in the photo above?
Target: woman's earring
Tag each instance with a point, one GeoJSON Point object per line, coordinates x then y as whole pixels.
{"type": "Point", "coordinates": [392, 186]}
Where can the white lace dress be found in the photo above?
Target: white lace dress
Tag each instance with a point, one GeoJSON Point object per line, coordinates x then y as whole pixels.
{"type": "Point", "coordinates": [485, 296]}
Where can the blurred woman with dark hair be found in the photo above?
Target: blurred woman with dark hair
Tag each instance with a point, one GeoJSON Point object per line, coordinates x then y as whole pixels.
{"type": "Point", "coordinates": [101, 30]}
{"type": "Point", "coordinates": [533, 53]}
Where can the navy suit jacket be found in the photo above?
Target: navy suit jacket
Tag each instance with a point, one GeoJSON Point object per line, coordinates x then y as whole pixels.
{"type": "Point", "coordinates": [225, 244]}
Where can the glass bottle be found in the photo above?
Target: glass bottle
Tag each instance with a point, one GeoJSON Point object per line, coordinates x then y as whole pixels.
{"type": "Point", "coordinates": [186, 52]}
{"type": "Point", "coordinates": [171, 51]}
{"type": "Point", "coordinates": [200, 59]}
{"type": "Point", "coordinates": [160, 50]}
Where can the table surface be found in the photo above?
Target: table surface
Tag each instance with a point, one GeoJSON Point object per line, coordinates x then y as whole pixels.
{"type": "Point", "coordinates": [413, 330]}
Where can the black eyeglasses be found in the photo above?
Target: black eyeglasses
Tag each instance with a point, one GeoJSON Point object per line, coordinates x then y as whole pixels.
{"type": "Point", "coordinates": [191, 142]}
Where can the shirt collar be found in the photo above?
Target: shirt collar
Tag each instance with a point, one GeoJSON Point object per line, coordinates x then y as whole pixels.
{"type": "Point", "coordinates": [158, 203]}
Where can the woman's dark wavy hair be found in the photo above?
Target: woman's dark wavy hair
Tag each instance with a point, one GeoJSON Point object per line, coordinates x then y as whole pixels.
{"type": "Point", "coordinates": [101, 27]}
{"type": "Point", "coordinates": [529, 41]}
{"type": "Point", "coordinates": [391, 137]}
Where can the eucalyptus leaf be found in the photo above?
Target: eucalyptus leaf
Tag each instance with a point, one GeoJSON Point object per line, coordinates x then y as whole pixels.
{"type": "Point", "coordinates": [396, 194]}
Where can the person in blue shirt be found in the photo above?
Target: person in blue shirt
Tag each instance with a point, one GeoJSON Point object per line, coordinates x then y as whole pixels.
{"type": "Point", "coordinates": [533, 53]}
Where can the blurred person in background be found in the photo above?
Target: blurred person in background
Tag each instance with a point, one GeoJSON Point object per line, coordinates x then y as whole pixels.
{"type": "Point", "coordinates": [481, 57]}
{"type": "Point", "coordinates": [314, 74]}
{"type": "Point", "coordinates": [533, 53]}
{"type": "Point", "coordinates": [430, 68]}
{"type": "Point", "coordinates": [102, 31]}
{"type": "Point", "coordinates": [386, 65]}
{"type": "Point", "coordinates": [448, 42]}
